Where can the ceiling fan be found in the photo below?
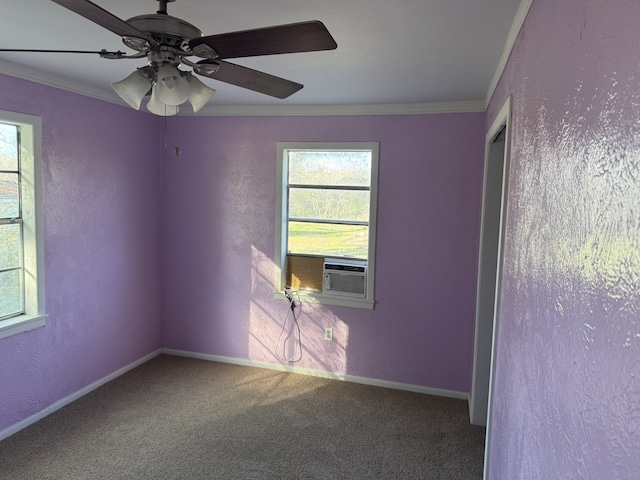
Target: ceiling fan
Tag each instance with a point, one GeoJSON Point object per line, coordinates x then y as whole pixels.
{"type": "Point", "coordinates": [168, 42]}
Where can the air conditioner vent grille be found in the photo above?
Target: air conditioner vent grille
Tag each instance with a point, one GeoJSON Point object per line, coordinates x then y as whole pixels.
{"type": "Point", "coordinates": [344, 278]}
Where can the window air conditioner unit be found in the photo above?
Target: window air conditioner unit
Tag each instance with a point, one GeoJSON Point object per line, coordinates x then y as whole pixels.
{"type": "Point", "coordinates": [344, 277]}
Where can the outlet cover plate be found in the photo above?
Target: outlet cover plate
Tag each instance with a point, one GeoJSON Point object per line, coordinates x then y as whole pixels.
{"type": "Point", "coordinates": [328, 333]}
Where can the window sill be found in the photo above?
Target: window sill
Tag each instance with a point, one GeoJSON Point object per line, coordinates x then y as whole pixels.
{"type": "Point", "coordinates": [326, 299]}
{"type": "Point", "coordinates": [21, 324]}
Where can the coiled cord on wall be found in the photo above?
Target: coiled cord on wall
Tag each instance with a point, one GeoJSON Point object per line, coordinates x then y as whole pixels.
{"type": "Point", "coordinates": [291, 311]}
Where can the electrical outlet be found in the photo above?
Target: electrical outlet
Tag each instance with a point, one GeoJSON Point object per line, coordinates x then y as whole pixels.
{"type": "Point", "coordinates": [328, 333]}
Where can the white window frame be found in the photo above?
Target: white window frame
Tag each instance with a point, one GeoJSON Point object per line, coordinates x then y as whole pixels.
{"type": "Point", "coordinates": [282, 217]}
{"type": "Point", "coordinates": [32, 225]}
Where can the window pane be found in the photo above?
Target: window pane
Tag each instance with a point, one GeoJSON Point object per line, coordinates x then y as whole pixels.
{"type": "Point", "coordinates": [328, 240]}
{"type": "Point", "coordinates": [330, 168]}
{"type": "Point", "coordinates": [8, 147]}
{"type": "Point", "coordinates": [9, 198]}
{"type": "Point", "coordinates": [9, 246]}
{"type": "Point", "coordinates": [10, 293]}
{"type": "Point", "coordinates": [318, 204]}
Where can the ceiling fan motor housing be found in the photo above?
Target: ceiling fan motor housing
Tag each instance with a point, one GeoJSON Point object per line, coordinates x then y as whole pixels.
{"type": "Point", "coordinates": [166, 30]}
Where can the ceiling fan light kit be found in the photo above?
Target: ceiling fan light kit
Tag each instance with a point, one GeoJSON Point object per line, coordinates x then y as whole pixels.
{"type": "Point", "coordinates": [157, 107]}
{"type": "Point", "coordinates": [167, 42]}
{"type": "Point", "coordinates": [199, 93]}
{"type": "Point", "coordinates": [170, 87]}
{"type": "Point", "coordinates": [133, 89]}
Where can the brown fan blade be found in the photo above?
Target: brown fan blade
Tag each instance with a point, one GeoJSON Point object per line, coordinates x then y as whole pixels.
{"type": "Point", "coordinates": [247, 78]}
{"type": "Point", "coordinates": [98, 15]}
{"type": "Point", "coordinates": [293, 38]}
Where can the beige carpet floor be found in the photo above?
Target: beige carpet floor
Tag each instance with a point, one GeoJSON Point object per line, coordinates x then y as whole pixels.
{"type": "Point", "coordinates": [180, 418]}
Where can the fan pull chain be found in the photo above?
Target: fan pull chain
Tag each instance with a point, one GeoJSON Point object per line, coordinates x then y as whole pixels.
{"type": "Point", "coordinates": [176, 150]}
{"type": "Point", "coordinates": [164, 127]}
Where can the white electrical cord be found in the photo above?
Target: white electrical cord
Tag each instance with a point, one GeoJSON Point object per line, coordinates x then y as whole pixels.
{"type": "Point", "coordinates": [291, 310]}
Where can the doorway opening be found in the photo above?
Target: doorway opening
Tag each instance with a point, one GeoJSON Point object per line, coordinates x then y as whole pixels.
{"type": "Point", "coordinates": [494, 199]}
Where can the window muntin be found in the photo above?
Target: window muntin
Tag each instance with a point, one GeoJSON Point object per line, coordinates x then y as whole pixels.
{"type": "Point", "coordinates": [11, 239]}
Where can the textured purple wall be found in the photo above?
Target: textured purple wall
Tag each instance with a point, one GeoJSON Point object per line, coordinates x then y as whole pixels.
{"type": "Point", "coordinates": [567, 381]}
{"type": "Point", "coordinates": [101, 181]}
{"type": "Point", "coordinates": [218, 241]}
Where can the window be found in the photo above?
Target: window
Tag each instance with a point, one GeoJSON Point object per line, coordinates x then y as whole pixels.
{"type": "Point", "coordinates": [21, 243]}
{"type": "Point", "coordinates": [326, 214]}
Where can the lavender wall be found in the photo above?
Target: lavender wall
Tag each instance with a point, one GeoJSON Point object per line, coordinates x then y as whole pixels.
{"type": "Point", "coordinates": [218, 241]}
{"type": "Point", "coordinates": [101, 209]}
{"type": "Point", "coordinates": [567, 380]}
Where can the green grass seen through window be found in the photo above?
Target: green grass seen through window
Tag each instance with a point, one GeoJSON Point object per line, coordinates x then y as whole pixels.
{"type": "Point", "coordinates": [328, 240]}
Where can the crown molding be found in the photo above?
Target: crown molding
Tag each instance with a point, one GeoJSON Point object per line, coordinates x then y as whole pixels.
{"type": "Point", "coordinates": [343, 110]}
{"type": "Point", "coordinates": [28, 73]}
{"type": "Point", "coordinates": [516, 26]}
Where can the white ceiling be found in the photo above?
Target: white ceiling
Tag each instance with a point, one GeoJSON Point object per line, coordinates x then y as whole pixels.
{"type": "Point", "coordinates": [389, 51]}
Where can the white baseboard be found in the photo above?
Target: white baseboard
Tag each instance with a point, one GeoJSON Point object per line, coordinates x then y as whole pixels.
{"type": "Point", "coordinates": [63, 402]}
{"type": "Point", "coordinates": [320, 373]}
{"type": "Point", "coordinates": [6, 433]}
